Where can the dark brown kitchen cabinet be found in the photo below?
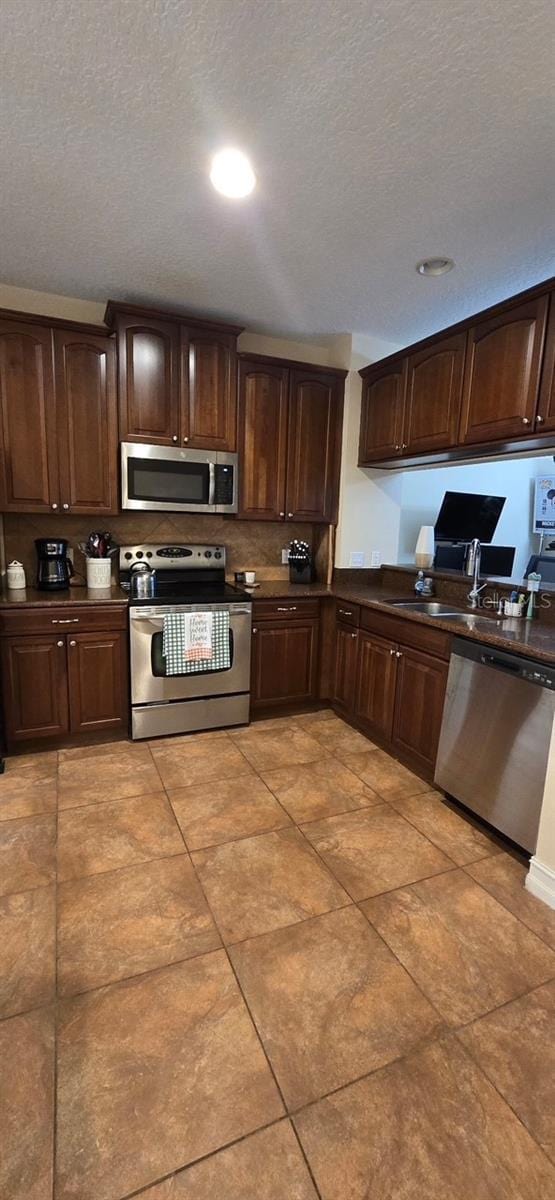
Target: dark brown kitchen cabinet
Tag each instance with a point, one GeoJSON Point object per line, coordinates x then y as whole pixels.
{"type": "Point", "coordinates": [64, 671]}
{"type": "Point", "coordinates": [419, 697]}
{"type": "Point", "coordinates": [433, 395]}
{"type": "Point", "coordinates": [29, 459]}
{"type": "Point", "coordinates": [390, 679]}
{"type": "Point", "coordinates": [58, 419]}
{"type": "Point", "coordinates": [382, 413]}
{"type": "Point", "coordinates": [502, 373]}
{"type": "Point", "coordinates": [484, 384]}
{"type": "Point", "coordinates": [208, 390]}
{"type": "Point", "coordinates": [85, 374]}
{"type": "Point", "coordinates": [176, 378]}
{"type": "Point", "coordinates": [34, 682]}
{"type": "Point", "coordinates": [98, 692]}
{"type": "Point", "coordinates": [284, 662]}
{"type": "Point", "coordinates": [263, 406]}
{"type": "Point", "coordinates": [346, 663]}
{"type": "Point", "coordinates": [545, 416]}
{"type": "Point", "coordinates": [375, 687]}
{"type": "Point", "coordinates": [148, 380]}
{"type": "Point", "coordinates": [290, 427]}
{"type": "Point", "coordinates": [314, 446]}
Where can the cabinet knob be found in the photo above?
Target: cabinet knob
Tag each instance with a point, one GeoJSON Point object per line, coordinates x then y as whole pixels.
{"type": "Point", "coordinates": [60, 643]}
{"type": "Point", "coordinates": [282, 514]}
{"type": "Point", "coordinates": [398, 654]}
{"type": "Point", "coordinates": [397, 446]}
{"type": "Point", "coordinates": [540, 419]}
{"type": "Point", "coordinates": [65, 507]}
{"type": "Point", "coordinates": [255, 630]}
{"type": "Point", "coordinates": [354, 635]}
{"type": "Point", "coordinates": [174, 438]}
{"type": "Point", "coordinates": [526, 420]}
{"type": "Point", "coordinates": [73, 642]}
{"type": "Point", "coordinates": [54, 506]}
{"type": "Point", "coordinates": [185, 440]}
{"type": "Point", "coordinates": [290, 514]}
{"type": "Point", "coordinates": [404, 446]}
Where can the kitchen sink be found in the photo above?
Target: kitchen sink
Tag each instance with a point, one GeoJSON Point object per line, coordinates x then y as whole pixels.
{"type": "Point", "coordinates": [434, 608]}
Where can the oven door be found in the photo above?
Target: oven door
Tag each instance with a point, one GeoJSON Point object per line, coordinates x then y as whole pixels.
{"type": "Point", "coordinates": [149, 682]}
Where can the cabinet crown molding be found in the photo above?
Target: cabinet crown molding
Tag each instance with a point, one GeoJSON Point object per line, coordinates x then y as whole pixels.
{"type": "Point", "coordinates": [271, 360]}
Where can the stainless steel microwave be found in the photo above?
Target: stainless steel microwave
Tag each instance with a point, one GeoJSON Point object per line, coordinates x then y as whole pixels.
{"type": "Point", "coordinates": [169, 479]}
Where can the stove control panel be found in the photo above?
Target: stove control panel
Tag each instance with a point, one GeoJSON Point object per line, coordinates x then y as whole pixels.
{"type": "Point", "coordinates": [181, 556]}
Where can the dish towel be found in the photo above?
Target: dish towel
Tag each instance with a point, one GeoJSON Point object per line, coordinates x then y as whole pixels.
{"type": "Point", "coordinates": [195, 642]}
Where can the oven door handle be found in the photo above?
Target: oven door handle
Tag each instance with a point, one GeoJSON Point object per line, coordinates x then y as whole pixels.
{"type": "Point", "coordinates": [211, 484]}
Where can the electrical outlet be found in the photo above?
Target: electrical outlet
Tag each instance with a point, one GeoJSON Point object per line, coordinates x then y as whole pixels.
{"type": "Point", "coordinates": [375, 559]}
{"type": "Point", "coordinates": [285, 557]}
{"type": "Point", "coordinates": [356, 558]}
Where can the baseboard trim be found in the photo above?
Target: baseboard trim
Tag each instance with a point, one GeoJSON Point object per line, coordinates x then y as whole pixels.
{"type": "Point", "coordinates": [540, 881]}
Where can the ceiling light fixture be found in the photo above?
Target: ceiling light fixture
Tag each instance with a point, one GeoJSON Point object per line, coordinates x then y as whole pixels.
{"type": "Point", "coordinates": [231, 173]}
{"type": "Point", "coordinates": [435, 266]}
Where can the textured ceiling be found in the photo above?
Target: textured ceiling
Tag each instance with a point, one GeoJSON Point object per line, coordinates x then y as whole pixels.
{"type": "Point", "coordinates": [382, 131]}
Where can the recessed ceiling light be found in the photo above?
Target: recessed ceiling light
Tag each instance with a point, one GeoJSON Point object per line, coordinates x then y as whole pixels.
{"type": "Point", "coordinates": [435, 266]}
{"type": "Point", "coordinates": [231, 173]}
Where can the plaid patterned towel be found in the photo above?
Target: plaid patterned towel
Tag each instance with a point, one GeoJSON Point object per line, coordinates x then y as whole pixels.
{"type": "Point", "coordinates": [175, 651]}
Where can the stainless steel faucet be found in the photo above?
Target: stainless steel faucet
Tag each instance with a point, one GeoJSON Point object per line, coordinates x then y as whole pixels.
{"type": "Point", "coordinates": [473, 561]}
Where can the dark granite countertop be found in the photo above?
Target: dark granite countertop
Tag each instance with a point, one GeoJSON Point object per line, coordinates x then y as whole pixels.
{"type": "Point", "coordinates": [536, 639]}
{"type": "Point", "coordinates": [33, 598]}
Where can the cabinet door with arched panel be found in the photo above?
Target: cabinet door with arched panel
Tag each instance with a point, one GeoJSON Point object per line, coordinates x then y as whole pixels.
{"type": "Point", "coordinates": [29, 460]}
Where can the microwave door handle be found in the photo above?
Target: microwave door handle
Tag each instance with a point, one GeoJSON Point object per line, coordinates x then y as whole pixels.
{"type": "Point", "coordinates": [211, 484]}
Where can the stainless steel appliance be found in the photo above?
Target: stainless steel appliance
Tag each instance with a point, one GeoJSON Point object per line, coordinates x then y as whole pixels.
{"type": "Point", "coordinates": [189, 578]}
{"type": "Point", "coordinates": [495, 737]}
{"type": "Point", "coordinates": [54, 568]}
{"type": "Point", "coordinates": [171, 479]}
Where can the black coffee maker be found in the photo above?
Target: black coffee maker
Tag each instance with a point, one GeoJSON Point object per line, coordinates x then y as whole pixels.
{"type": "Point", "coordinates": [54, 568]}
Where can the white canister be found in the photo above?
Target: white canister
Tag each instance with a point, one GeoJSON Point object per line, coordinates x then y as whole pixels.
{"type": "Point", "coordinates": [99, 572]}
{"type": "Point", "coordinates": [16, 575]}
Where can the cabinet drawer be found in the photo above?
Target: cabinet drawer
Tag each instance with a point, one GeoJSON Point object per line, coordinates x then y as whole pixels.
{"type": "Point", "coordinates": [347, 612]}
{"type": "Point", "coordinates": [264, 610]}
{"type": "Point", "coordinates": [409, 633]}
{"type": "Point", "coordinates": [62, 619]}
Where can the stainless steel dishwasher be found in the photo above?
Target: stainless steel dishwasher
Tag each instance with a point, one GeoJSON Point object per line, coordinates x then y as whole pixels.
{"type": "Point", "coordinates": [495, 737]}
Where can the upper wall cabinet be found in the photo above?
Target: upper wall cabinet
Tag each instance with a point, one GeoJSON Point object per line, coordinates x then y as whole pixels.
{"type": "Point", "coordinates": [263, 409]}
{"type": "Point", "coordinates": [58, 426]}
{"type": "Point", "coordinates": [545, 416]}
{"type": "Point", "coordinates": [148, 380]}
{"type": "Point", "coordinates": [176, 378]}
{"type": "Point", "coordinates": [433, 395]}
{"type": "Point", "coordinates": [383, 405]}
{"type": "Point", "coordinates": [455, 394]}
{"type": "Point", "coordinates": [85, 375]}
{"type": "Point", "coordinates": [290, 426]}
{"type": "Point", "coordinates": [29, 458]}
{"type": "Point", "coordinates": [503, 372]}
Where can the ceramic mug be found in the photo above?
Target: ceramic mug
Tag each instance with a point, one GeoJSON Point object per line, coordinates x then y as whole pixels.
{"type": "Point", "coordinates": [250, 578]}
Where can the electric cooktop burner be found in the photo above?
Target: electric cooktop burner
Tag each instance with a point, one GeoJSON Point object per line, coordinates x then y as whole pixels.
{"type": "Point", "coordinates": [185, 574]}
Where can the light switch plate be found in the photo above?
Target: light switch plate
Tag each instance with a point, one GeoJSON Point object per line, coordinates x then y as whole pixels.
{"type": "Point", "coordinates": [375, 559]}
{"type": "Point", "coordinates": [285, 557]}
{"type": "Point", "coordinates": [356, 558]}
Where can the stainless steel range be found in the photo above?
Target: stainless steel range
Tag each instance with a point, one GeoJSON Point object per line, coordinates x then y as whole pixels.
{"type": "Point", "coordinates": [189, 578]}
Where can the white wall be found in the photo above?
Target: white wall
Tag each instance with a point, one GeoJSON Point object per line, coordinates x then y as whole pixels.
{"type": "Point", "coordinates": [423, 491]}
{"type": "Point", "coordinates": [370, 501]}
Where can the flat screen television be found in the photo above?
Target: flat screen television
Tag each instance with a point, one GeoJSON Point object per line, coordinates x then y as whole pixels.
{"type": "Point", "coordinates": [464, 515]}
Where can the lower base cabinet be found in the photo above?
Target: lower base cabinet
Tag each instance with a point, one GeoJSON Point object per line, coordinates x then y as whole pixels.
{"type": "Point", "coordinates": [284, 663]}
{"type": "Point", "coordinates": [60, 684]}
{"type": "Point", "coordinates": [393, 691]}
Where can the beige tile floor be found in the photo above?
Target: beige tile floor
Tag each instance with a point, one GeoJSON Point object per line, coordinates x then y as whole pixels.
{"type": "Point", "coordinates": [266, 964]}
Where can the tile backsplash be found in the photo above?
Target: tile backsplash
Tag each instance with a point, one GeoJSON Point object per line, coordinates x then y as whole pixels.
{"type": "Point", "coordinates": [251, 545]}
